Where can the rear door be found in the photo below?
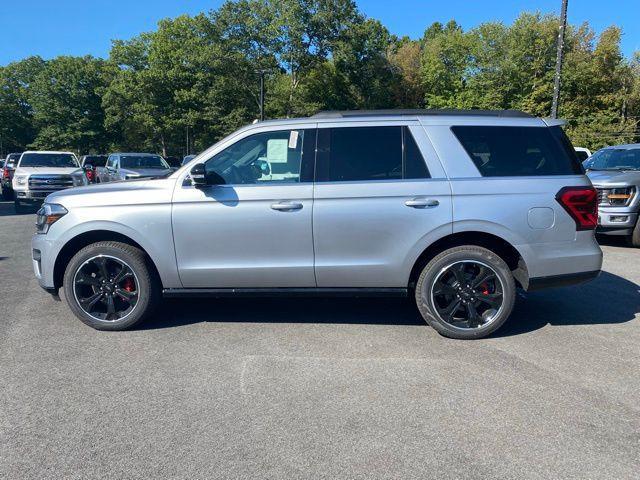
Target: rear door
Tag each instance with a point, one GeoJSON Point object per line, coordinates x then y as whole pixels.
{"type": "Point", "coordinates": [380, 197]}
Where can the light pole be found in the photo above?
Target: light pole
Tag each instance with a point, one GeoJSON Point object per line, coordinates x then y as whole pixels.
{"type": "Point", "coordinates": [559, 58]}
{"type": "Point", "coordinates": [262, 72]}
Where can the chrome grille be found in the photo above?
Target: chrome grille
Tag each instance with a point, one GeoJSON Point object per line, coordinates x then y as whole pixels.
{"type": "Point", "coordinates": [50, 182]}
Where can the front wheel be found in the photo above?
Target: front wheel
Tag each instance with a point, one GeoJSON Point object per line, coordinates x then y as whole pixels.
{"type": "Point", "coordinates": [465, 292]}
{"type": "Point", "coordinates": [7, 194]}
{"type": "Point", "coordinates": [634, 239]}
{"type": "Point", "coordinates": [110, 286]}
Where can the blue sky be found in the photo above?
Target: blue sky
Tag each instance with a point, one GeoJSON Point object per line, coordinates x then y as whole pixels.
{"type": "Point", "coordinates": [78, 27]}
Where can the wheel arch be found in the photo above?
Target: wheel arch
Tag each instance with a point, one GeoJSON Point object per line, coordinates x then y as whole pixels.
{"type": "Point", "coordinates": [501, 247]}
{"type": "Point", "coordinates": [78, 242]}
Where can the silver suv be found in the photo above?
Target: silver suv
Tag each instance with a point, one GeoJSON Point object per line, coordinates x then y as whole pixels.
{"type": "Point", "coordinates": [128, 166]}
{"type": "Point", "coordinates": [615, 172]}
{"type": "Point", "coordinates": [454, 208]}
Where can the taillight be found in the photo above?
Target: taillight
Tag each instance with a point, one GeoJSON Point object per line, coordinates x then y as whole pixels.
{"type": "Point", "coordinates": [5, 173]}
{"type": "Point", "coordinates": [582, 204]}
{"type": "Point", "coordinates": [89, 175]}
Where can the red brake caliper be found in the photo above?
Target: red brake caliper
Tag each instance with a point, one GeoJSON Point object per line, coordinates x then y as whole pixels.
{"type": "Point", "coordinates": [129, 286]}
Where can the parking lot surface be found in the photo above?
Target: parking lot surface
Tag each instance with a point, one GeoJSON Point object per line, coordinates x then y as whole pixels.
{"type": "Point", "coordinates": [319, 388]}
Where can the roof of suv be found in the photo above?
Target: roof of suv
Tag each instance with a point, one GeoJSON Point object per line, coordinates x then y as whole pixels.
{"type": "Point", "coordinates": [431, 117]}
{"type": "Point", "coordinates": [139, 154]}
{"type": "Point", "coordinates": [48, 152]}
{"type": "Point", "coordinates": [423, 113]}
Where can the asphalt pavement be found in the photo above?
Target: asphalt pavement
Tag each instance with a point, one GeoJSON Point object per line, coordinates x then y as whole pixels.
{"type": "Point", "coordinates": [319, 388]}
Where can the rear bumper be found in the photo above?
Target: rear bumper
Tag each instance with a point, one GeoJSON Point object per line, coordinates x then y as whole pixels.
{"type": "Point", "coordinates": [540, 283]}
{"type": "Point", "coordinates": [572, 259]}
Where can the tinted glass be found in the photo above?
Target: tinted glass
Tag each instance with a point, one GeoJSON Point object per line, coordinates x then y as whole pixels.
{"type": "Point", "coordinates": [582, 155]}
{"type": "Point", "coordinates": [414, 165]}
{"type": "Point", "coordinates": [142, 161]}
{"type": "Point", "coordinates": [519, 151]}
{"type": "Point", "coordinates": [261, 158]}
{"type": "Point", "coordinates": [62, 160]}
{"type": "Point", "coordinates": [365, 153]}
{"type": "Point", "coordinates": [615, 159]}
{"type": "Point", "coordinates": [368, 154]}
{"type": "Point", "coordinates": [95, 160]}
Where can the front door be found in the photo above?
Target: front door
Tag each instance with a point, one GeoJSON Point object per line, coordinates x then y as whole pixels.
{"type": "Point", "coordinates": [251, 228]}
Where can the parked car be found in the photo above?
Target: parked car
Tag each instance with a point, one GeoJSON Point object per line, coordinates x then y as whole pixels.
{"type": "Point", "coordinates": [7, 175]}
{"type": "Point", "coordinates": [582, 153]}
{"type": "Point", "coordinates": [128, 166]}
{"type": "Point", "coordinates": [615, 172]}
{"type": "Point", "coordinates": [174, 162]}
{"type": "Point", "coordinates": [188, 158]}
{"type": "Point", "coordinates": [38, 174]}
{"type": "Point", "coordinates": [90, 163]}
{"type": "Point", "coordinates": [455, 209]}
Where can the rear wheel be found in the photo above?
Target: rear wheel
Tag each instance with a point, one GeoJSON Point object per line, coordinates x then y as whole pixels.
{"type": "Point", "coordinates": [110, 286]}
{"type": "Point", "coordinates": [465, 292]}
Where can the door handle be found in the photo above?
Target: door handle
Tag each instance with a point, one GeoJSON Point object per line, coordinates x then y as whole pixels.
{"type": "Point", "coordinates": [286, 206]}
{"type": "Point", "coordinates": [422, 203]}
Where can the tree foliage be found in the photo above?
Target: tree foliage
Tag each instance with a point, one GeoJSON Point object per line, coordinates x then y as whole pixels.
{"type": "Point", "coordinates": [199, 74]}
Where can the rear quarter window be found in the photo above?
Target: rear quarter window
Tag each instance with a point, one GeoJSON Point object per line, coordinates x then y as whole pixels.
{"type": "Point", "coordinates": [519, 151]}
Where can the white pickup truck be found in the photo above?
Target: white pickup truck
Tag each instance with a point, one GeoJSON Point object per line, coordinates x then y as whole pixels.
{"type": "Point", "coordinates": [38, 174]}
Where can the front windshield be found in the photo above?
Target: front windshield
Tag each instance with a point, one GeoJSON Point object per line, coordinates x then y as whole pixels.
{"type": "Point", "coordinates": [143, 161]}
{"type": "Point", "coordinates": [59, 160]}
{"type": "Point", "coordinates": [615, 159]}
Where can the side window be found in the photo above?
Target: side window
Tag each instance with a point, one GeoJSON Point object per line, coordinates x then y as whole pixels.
{"type": "Point", "coordinates": [518, 151]}
{"type": "Point", "coordinates": [414, 164]}
{"type": "Point", "coordinates": [111, 162]}
{"type": "Point", "coordinates": [368, 154]}
{"type": "Point", "coordinates": [265, 157]}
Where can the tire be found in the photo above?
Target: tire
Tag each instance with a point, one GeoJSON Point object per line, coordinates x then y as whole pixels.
{"type": "Point", "coordinates": [147, 288]}
{"type": "Point", "coordinates": [19, 208]}
{"type": "Point", "coordinates": [7, 194]}
{"type": "Point", "coordinates": [633, 240]}
{"type": "Point", "coordinates": [438, 285]}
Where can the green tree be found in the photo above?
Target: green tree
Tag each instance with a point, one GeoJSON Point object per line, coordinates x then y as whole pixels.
{"type": "Point", "coordinates": [66, 100]}
{"type": "Point", "coordinates": [17, 129]}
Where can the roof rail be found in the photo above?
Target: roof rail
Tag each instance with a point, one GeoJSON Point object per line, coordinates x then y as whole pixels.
{"type": "Point", "coordinates": [419, 112]}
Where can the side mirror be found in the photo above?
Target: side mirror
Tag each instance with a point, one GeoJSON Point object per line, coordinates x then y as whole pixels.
{"type": "Point", "coordinates": [198, 175]}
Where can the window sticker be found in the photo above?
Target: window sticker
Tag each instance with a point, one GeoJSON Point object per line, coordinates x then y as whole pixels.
{"type": "Point", "coordinates": [277, 150]}
{"type": "Point", "coordinates": [293, 139]}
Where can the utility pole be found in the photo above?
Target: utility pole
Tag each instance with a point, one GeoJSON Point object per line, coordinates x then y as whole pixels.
{"type": "Point", "coordinates": [559, 58]}
{"type": "Point", "coordinates": [188, 144]}
{"type": "Point", "coordinates": [262, 72]}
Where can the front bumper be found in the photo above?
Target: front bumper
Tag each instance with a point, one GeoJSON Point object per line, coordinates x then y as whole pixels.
{"type": "Point", "coordinates": [32, 195]}
{"type": "Point", "coordinates": [42, 261]}
{"type": "Point", "coordinates": [616, 220]}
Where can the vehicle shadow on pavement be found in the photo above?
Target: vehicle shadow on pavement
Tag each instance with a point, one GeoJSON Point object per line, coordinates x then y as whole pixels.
{"type": "Point", "coordinates": [609, 299]}
{"type": "Point", "coordinates": [7, 209]}
{"type": "Point", "coordinates": [373, 311]}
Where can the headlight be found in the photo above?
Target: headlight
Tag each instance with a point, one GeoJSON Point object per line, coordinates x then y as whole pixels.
{"type": "Point", "coordinates": [79, 180]}
{"type": "Point", "coordinates": [49, 214]}
{"type": "Point", "coordinates": [21, 179]}
{"type": "Point", "coordinates": [620, 197]}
